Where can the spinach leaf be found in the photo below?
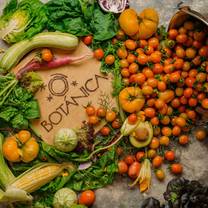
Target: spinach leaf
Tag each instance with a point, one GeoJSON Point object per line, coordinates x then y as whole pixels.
{"type": "Point", "coordinates": [81, 18]}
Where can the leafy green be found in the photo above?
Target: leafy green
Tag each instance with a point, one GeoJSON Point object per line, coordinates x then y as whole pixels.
{"type": "Point", "coordinates": [100, 174]}
{"type": "Point", "coordinates": [31, 81]}
{"type": "Point", "coordinates": [17, 106]}
{"type": "Point", "coordinates": [79, 17]}
{"type": "Point", "coordinates": [22, 19]}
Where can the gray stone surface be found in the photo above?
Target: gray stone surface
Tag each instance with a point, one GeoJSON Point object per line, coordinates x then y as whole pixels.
{"type": "Point", "coordinates": [194, 157]}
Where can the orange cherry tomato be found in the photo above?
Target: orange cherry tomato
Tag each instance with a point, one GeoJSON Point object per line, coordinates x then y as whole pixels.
{"type": "Point", "coordinates": [183, 140]}
{"type": "Point", "coordinates": [168, 68]}
{"type": "Point", "coordinates": [147, 90]}
{"type": "Point", "coordinates": [161, 86]}
{"type": "Point", "coordinates": [181, 38]}
{"type": "Point", "coordinates": [105, 131]}
{"type": "Point", "coordinates": [160, 174]}
{"type": "Point", "coordinates": [176, 131]}
{"type": "Point", "coordinates": [122, 167]}
{"type": "Point", "coordinates": [170, 155]}
{"type": "Point", "coordinates": [134, 170]}
{"type": "Point", "coordinates": [87, 198]}
{"type": "Point", "coordinates": [93, 120]}
{"type": "Point", "coordinates": [155, 143]}
{"type": "Point", "coordinates": [129, 159]}
{"type": "Point", "coordinates": [176, 168]}
{"type": "Point", "coordinates": [148, 50]}
{"type": "Point", "coordinates": [204, 103]}
{"type": "Point", "coordinates": [151, 102]}
{"type": "Point", "coordinates": [130, 44]}
{"type": "Point", "coordinates": [178, 64]}
{"type": "Point", "coordinates": [110, 116]}
{"type": "Point", "coordinates": [175, 76]}
{"type": "Point", "coordinates": [157, 68]}
{"type": "Point", "coordinates": [99, 54]}
{"type": "Point", "coordinates": [101, 112]}
{"type": "Point", "coordinates": [140, 155]}
{"type": "Point", "coordinates": [125, 72]}
{"type": "Point", "coordinates": [90, 110]}
{"type": "Point", "coordinates": [189, 81]}
{"type": "Point", "coordinates": [142, 59]}
{"type": "Point", "coordinates": [150, 112]}
{"type": "Point", "coordinates": [188, 92]}
{"type": "Point", "coordinates": [152, 82]}
{"type": "Point", "coordinates": [147, 72]}
{"type": "Point", "coordinates": [164, 141]}
{"type": "Point", "coordinates": [133, 68]}
{"type": "Point", "coordinates": [155, 57]}
{"type": "Point", "coordinates": [142, 43]}
{"type": "Point", "coordinates": [172, 34]}
{"type": "Point", "coordinates": [175, 103]}
{"type": "Point", "coordinates": [46, 55]}
{"type": "Point", "coordinates": [190, 53]}
{"type": "Point", "coordinates": [123, 63]}
{"type": "Point", "coordinates": [166, 131]}
{"type": "Point", "coordinates": [157, 161]}
{"type": "Point", "coordinates": [109, 59]}
{"type": "Point", "coordinates": [180, 121]}
{"type": "Point", "coordinates": [140, 78]}
{"type": "Point", "coordinates": [131, 58]}
{"type": "Point", "coordinates": [203, 51]}
{"type": "Point", "coordinates": [154, 121]}
{"type": "Point", "coordinates": [159, 103]}
{"type": "Point", "coordinates": [154, 42]}
{"type": "Point", "coordinates": [116, 124]}
{"type": "Point", "coordinates": [122, 53]}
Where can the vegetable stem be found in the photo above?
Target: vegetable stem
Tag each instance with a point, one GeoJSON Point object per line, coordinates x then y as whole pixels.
{"type": "Point", "coordinates": [100, 149]}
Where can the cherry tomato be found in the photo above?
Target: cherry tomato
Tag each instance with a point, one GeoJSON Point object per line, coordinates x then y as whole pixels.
{"type": "Point", "coordinates": [140, 78]}
{"type": "Point", "coordinates": [160, 174]}
{"type": "Point", "coordinates": [175, 76]}
{"type": "Point", "coordinates": [168, 68]}
{"type": "Point", "coordinates": [172, 34]}
{"type": "Point", "coordinates": [161, 86]}
{"type": "Point", "coordinates": [105, 131]}
{"type": "Point", "coordinates": [129, 159]}
{"type": "Point", "coordinates": [99, 54]}
{"type": "Point", "coordinates": [188, 25]}
{"type": "Point", "coordinates": [166, 131]}
{"type": "Point", "coordinates": [164, 140]}
{"type": "Point", "coordinates": [152, 82]}
{"type": "Point", "coordinates": [154, 42]}
{"type": "Point", "coordinates": [90, 110]}
{"type": "Point", "coordinates": [200, 134]}
{"type": "Point", "coordinates": [199, 35]}
{"type": "Point", "coordinates": [155, 143]}
{"type": "Point", "coordinates": [183, 140]}
{"type": "Point", "coordinates": [180, 52]}
{"type": "Point", "coordinates": [176, 130]}
{"type": "Point", "coordinates": [204, 103]}
{"type": "Point", "coordinates": [188, 92]}
{"type": "Point", "coordinates": [131, 58]}
{"type": "Point", "coordinates": [147, 90]}
{"type": "Point", "coordinates": [132, 118]}
{"type": "Point", "coordinates": [148, 50]}
{"type": "Point", "coordinates": [186, 66]}
{"type": "Point", "coordinates": [125, 72]}
{"type": "Point", "coordinates": [176, 168]}
{"type": "Point", "coordinates": [191, 114]}
{"type": "Point", "coordinates": [101, 112]}
{"type": "Point", "coordinates": [46, 55]}
{"type": "Point", "coordinates": [165, 120]}
{"type": "Point", "coordinates": [189, 81]}
{"type": "Point", "coordinates": [181, 38]}
{"type": "Point", "coordinates": [130, 44]}
{"type": "Point", "coordinates": [190, 53]}
{"type": "Point", "coordinates": [122, 167]}
{"type": "Point", "coordinates": [147, 72]}
{"type": "Point", "coordinates": [182, 30]}
{"type": "Point", "coordinates": [124, 63]}
{"type": "Point", "coordinates": [170, 155]}
{"type": "Point", "coordinates": [122, 53]}
{"type": "Point", "coordinates": [142, 59]}
{"type": "Point", "coordinates": [203, 51]}
{"type": "Point", "coordinates": [154, 121]}
{"type": "Point", "coordinates": [110, 116]}
{"type": "Point", "coordinates": [151, 153]}
{"type": "Point", "coordinates": [133, 68]}
{"type": "Point", "coordinates": [87, 40]}
{"type": "Point", "coordinates": [157, 68]}
{"type": "Point", "coordinates": [120, 34]}
{"type": "Point", "coordinates": [93, 120]}
{"type": "Point", "coordinates": [134, 169]}
{"type": "Point", "coordinates": [157, 161]}
{"type": "Point", "coordinates": [175, 103]}
{"type": "Point", "coordinates": [109, 59]}
{"type": "Point", "coordinates": [150, 112]}
{"type": "Point", "coordinates": [116, 124]}
{"type": "Point", "coordinates": [139, 156]}
{"type": "Point", "coordinates": [178, 64]}
{"type": "Point", "coordinates": [87, 198]}
{"type": "Point", "coordinates": [180, 121]}
{"type": "Point", "coordinates": [142, 43]}
{"type": "Point", "coordinates": [155, 57]}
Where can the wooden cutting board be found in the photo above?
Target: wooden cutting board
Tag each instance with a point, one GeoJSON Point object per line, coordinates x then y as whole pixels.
{"type": "Point", "coordinates": [66, 91]}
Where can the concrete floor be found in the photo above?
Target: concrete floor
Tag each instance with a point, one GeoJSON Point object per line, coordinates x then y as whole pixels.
{"type": "Point", "coordinates": [194, 157]}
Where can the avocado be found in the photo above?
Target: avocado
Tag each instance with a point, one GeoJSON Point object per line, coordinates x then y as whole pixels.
{"type": "Point", "coordinates": [139, 144]}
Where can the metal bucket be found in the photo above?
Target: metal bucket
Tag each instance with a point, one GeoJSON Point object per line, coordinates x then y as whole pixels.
{"type": "Point", "coordinates": [185, 13]}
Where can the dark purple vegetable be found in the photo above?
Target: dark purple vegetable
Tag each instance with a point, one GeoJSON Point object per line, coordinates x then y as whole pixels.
{"type": "Point", "coordinates": [115, 6]}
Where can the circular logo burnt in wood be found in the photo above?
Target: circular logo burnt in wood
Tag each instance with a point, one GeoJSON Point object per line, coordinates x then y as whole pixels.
{"type": "Point", "coordinates": [58, 85]}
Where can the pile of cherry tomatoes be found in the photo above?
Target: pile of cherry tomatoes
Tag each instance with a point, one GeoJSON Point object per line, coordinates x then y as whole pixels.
{"type": "Point", "coordinates": [156, 67]}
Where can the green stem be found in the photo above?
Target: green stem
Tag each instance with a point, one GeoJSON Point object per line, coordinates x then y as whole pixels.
{"type": "Point", "coordinates": [121, 112]}
{"type": "Point", "coordinates": [100, 149]}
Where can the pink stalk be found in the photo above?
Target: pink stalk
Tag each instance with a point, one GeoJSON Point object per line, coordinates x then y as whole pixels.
{"type": "Point", "coordinates": [36, 64]}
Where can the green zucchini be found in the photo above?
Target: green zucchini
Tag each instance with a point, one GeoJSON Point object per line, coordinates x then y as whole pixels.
{"type": "Point", "coordinates": [17, 51]}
